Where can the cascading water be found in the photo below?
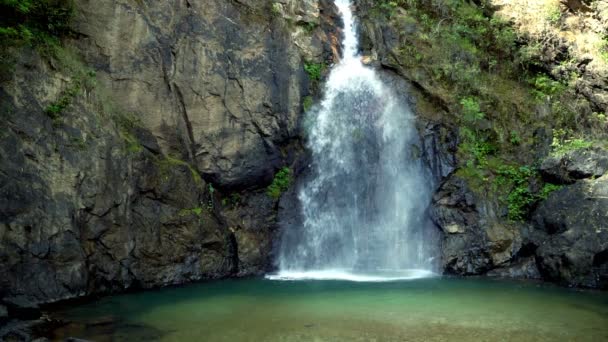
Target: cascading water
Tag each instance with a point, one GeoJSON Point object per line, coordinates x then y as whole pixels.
{"type": "Point", "coordinates": [364, 202]}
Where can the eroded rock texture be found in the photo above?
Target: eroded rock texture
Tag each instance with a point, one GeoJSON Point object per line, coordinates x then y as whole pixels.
{"type": "Point", "coordinates": [565, 238]}
{"type": "Point", "coordinates": [573, 244]}
{"type": "Point", "coordinates": [184, 106]}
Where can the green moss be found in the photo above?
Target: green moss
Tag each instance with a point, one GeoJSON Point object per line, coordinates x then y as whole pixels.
{"type": "Point", "coordinates": [197, 211]}
{"type": "Point", "coordinates": [233, 200]}
{"type": "Point", "coordinates": [55, 109]}
{"type": "Point", "coordinates": [168, 162]}
{"type": "Point", "coordinates": [281, 182]}
{"type": "Point", "coordinates": [127, 122]}
{"type": "Point", "coordinates": [82, 78]}
{"type": "Point", "coordinates": [307, 103]}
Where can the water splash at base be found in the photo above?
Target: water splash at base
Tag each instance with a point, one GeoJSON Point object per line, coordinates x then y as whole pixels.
{"type": "Point", "coordinates": [379, 276]}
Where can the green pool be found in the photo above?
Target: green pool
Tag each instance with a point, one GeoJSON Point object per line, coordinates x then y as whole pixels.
{"type": "Point", "coordinates": [431, 309]}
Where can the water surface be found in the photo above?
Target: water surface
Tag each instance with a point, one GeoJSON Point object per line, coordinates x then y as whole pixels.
{"type": "Point", "coordinates": [432, 309]}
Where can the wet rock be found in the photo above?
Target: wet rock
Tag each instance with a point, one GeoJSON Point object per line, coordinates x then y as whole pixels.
{"type": "Point", "coordinates": [475, 239]}
{"type": "Point", "coordinates": [439, 145]}
{"type": "Point", "coordinates": [523, 269]}
{"type": "Point", "coordinates": [252, 219]}
{"type": "Point", "coordinates": [22, 307]}
{"type": "Point", "coordinates": [211, 97]}
{"type": "Point", "coordinates": [3, 313]}
{"type": "Point", "coordinates": [568, 167]}
{"type": "Point", "coordinates": [574, 225]}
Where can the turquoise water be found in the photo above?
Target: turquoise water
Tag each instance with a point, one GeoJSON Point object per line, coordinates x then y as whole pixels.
{"type": "Point", "coordinates": [434, 309]}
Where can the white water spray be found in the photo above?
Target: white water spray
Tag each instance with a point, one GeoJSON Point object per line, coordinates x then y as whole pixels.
{"type": "Point", "coordinates": [364, 203]}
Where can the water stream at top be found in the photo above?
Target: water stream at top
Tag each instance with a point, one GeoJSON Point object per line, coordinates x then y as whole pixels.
{"type": "Point", "coordinates": [364, 202]}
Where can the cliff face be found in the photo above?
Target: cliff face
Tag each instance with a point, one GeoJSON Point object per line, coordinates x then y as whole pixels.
{"type": "Point", "coordinates": [138, 155]}
{"type": "Point", "coordinates": [512, 116]}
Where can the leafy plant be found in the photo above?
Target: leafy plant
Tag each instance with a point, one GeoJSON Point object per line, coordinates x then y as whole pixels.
{"type": "Point", "coordinates": [545, 86]}
{"type": "Point", "coordinates": [281, 182]}
{"type": "Point", "coordinates": [471, 110]}
{"type": "Point", "coordinates": [276, 9]}
{"type": "Point", "coordinates": [520, 198]}
{"type": "Point", "coordinates": [547, 189]}
{"type": "Point", "coordinates": [314, 70]}
{"type": "Point", "coordinates": [554, 15]}
{"type": "Point", "coordinates": [38, 23]}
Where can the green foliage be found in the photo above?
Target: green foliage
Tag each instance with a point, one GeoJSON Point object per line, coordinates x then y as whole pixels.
{"type": "Point", "coordinates": [547, 189]}
{"type": "Point", "coordinates": [520, 198]}
{"type": "Point", "coordinates": [276, 9]}
{"type": "Point", "coordinates": [309, 27]}
{"type": "Point", "coordinates": [474, 148]}
{"type": "Point", "coordinates": [555, 15]}
{"type": "Point", "coordinates": [37, 23]}
{"type": "Point", "coordinates": [515, 139]}
{"type": "Point", "coordinates": [497, 88]}
{"type": "Point", "coordinates": [386, 7]}
{"type": "Point", "coordinates": [568, 145]}
{"type": "Point", "coordinates": [471, 110]}
{"type": "Point", "coordinates": [127, 123]}
{"type": "Point", "coordinates": [314, 70]}
{"type": "Point", "coordinates": [55, 109]}
{"type": "Point", "coordinates": [281, 182]}
{"type": "Point", "coordinates": [515, 182]}
{"type": "Point", "coordinates": [546, 87]}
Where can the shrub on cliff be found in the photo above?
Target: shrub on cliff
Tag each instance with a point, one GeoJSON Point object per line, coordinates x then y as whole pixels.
{"type": "Point", "coordinates": [38, 23]}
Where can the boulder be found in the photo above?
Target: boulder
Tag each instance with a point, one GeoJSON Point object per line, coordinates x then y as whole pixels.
{"type": "Point", "coordinates": [573, 246]}
{"type": "Point", "coordinates": [570, 166]}
{"type": "Point", "coordinates": [475, 240]}
{"type": "Point", "coordinates": [22, 307]}
{"type": "Point", "coordinates": [524, 269]}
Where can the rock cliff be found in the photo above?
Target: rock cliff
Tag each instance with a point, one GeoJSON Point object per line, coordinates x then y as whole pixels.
{"type": "Point", "coordinates": [137, 155]}
{"type": "Point", "coordinates": [511, 201]}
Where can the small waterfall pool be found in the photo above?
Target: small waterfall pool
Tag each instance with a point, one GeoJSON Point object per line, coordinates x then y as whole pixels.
{"type": "Point", "coordinates": [429, 309]}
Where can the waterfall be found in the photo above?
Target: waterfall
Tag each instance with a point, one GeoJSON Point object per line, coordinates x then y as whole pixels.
{"type": "Point", "coordinates": [363, 204]}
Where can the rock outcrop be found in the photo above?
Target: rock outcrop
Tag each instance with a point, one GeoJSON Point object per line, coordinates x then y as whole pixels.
{"type": "Point", "coordinates": [145, 164]}
{"type": "Point", "coordinates": [475, 237]}
{"type": "Point", "coordinates": [564, 240]}
{"type": "Point", "coordinates": [573, 239]}
{"type": "Point", "coordinates": [567, 167]}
